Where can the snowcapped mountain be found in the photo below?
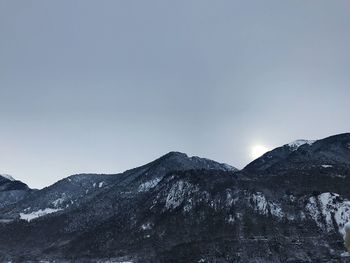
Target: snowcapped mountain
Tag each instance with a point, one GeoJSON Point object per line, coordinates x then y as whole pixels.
{"type": "Point", "coordinates": [62, 195]}
{"type": "Point", "coordinates": [71, 192]}
{"type": "Point", "coordinates": [302, 154]}
{"type": "Point", "coordinates": [290, 205]}
{"type": "Point", "coordinates": [296, 144]}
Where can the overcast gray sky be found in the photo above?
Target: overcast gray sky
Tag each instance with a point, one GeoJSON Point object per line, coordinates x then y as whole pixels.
{"type": "Point", "coordinates": [103, 86]}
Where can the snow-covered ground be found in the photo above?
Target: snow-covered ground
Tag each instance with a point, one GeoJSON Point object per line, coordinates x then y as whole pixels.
{"type": "Point", "coordinates": [36, 214]}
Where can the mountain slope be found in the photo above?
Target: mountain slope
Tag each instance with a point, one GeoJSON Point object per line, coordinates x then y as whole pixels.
{"type": "Point", "coordinates": [11, 190]}
{"type": "Point", "coordinates": [334, 150]}
{"type": "Point", "coordinates": [76, 190]}
{"type": "Point", "coordinates": [290, 208]}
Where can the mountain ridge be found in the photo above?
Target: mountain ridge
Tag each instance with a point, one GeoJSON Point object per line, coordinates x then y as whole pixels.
{"type": "Point", "coordinates": [290, 207]}
{"type": "Point", "coordinates": [327, 151]}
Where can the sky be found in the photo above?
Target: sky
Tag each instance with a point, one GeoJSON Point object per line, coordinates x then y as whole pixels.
{"type": "Point", "coordinates": [104, 86]}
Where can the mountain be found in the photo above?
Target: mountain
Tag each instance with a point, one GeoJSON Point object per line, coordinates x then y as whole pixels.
{"type": "Point", "coordinates": [302, 154]}
{"type": "Point", "coordinates": [290, 205]}
{"type": "Point", "coordinates": [11, 190]}
{"type": "Point", "coordinates": [76, 189]}
{"type": "Point", "coordinates": [59, 196]}
{"type": "Point", "coordinates": [60, 214]}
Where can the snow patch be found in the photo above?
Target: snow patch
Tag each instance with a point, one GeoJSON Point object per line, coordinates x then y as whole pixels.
{"type": "Point", "coordinates": [178, 193]}
{"type": "Point", "coordinates": [339, 176]}
{"type": "Point", "coordinates": [230, 219]}
{"type": "Point", "coordinates": [296, 144]}
{"type": "Point", "coordinates": [327, 208]}
{"type": "Point", "coordinates": [259, 203]}
{"type": "Point", "coordinates": [58, 201]}
{"type": "Point", "coordinates": [239, 216]}
{"type": "Point", "coordinates": [189, 205]}
{"type": "Point", "coordinates": [42, 212]}
{"type": "Point", "coordinates": [292, 198]}
{"type": "Point", "coordinates": [264, 207]}
{"type": "Point", "coordinates": [146, 226]}
{"type": "Point", "coordinates": [146, 186]}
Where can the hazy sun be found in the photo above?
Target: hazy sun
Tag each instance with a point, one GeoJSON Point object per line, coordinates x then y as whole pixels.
{"type": "Point", "coordinates": [258, 150]}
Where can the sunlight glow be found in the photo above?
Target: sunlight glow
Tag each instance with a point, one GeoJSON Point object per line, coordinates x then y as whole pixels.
{"type": "Point", "coordinates": [258, 150]}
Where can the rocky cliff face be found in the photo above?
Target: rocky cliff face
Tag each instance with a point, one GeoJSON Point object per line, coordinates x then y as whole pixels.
{"type": "Point", "coordinates": [290, 205]}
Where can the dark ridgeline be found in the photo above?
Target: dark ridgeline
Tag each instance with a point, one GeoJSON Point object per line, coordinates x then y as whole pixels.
{"type": "Point", "coordinates": [11, 190]}
{"type": "Point", "coordinates": [289, 205]}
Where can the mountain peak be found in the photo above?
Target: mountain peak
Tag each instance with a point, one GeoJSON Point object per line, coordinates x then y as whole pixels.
{"type": "Point", "coordinates": [333, 150]}
{"type": "Point", "coordinates": [173, 154]}
{"type": "Point", "coordinates": [171, 162]}
{"type": "Point", "coordinates": [297, 143]}
{"type": "Point", "coordinates": [188, 162]}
